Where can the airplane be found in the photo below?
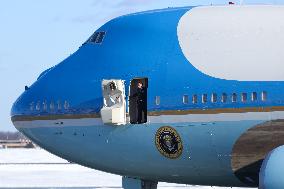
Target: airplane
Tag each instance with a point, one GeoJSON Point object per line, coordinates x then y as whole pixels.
{"type": "Point", "coordinates": [212, 108]}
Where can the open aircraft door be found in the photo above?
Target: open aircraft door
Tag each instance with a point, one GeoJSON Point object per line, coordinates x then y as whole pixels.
{"type": "Point", "coordinates": [114, 108]}
{"type": "Point", "coordinates": [138, 101]}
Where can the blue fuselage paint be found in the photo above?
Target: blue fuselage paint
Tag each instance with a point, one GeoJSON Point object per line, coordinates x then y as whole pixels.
{"type": "Point", "coordinates": [130, 150]}
{"type": "Point", "coordinates": [142, 45]}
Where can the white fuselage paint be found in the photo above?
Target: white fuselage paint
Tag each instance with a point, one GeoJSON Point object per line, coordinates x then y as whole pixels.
{"type": "Point", "coordinates": [243, 43]}
{"type": "Point", "coordinates": [163, 119]}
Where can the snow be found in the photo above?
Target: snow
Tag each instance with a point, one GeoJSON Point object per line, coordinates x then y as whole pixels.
{"type": "Point", "coordinates": [28, 168]}
{"type": "Point", "coordinates": [34, 155]}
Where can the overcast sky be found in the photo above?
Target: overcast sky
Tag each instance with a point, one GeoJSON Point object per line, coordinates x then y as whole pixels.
{"type": "Point", "coordinates": [35, 35]}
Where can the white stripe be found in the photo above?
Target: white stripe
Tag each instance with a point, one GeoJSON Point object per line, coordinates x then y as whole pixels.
{"type": "Point", "coordinates": [210, 117]}
{"type": "Point", "coordinates": [157, 119]}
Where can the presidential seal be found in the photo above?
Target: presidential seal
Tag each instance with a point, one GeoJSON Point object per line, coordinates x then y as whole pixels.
{"type": "Point", "coordinates": [168, 142]}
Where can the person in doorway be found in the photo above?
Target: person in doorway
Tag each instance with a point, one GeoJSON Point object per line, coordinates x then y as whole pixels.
{"type": "Point", "coordinates": [113, 95]}
{"type": "Point", "coordinates": [141, 101]}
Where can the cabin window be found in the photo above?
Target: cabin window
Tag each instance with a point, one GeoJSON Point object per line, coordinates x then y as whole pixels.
{"type": "Point", "coordinates": [204, 98]}
{"type": "Point", "coordinates": [185, 99]}
{"type": "Point", "coordinates": [44, 105]}
{"type": "Point", "coordinates": [244, 97]}
{"type": "Point", "coordinates": [97, 37]}
{"type": "Point", "coordinates": [51, 106]}
{"type": "Point", "coordinates": [32, 106]}
{"type": "Point", "coordinates": [224, 97]}
{"type": "Point", "coordinates": [264, 96]}
{"type": "Point", "coordinates": [254, 96]}
{"type": "Point", "coordinates": [214, 98]}
{"type": "Point", "coordinates": [38, 105]}
{"type": "Point", "coordinates": [157, 100]}
{"type": "Point", "coordinates": [234, 97]}
{"type": "Point", "coordinates": [194, 99]}
{"type": "Point", "coordinates": [58, 105]}
{"type": "Point", "coordinates": [66, 105]}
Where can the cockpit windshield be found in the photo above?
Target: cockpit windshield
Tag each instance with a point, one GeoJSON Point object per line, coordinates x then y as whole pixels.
{"type": "Point", "coordinates": [97, 37]}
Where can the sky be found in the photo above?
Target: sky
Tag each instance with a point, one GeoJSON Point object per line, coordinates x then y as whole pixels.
{"type": "Point", "coordinates": [36, 35]}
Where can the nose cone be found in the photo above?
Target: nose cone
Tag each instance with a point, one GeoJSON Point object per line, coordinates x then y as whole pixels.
{"type": "Point", "coordinates": [24, 105]}
{"type": "Point", "coordinates": [21, 107]}
{"type": "Point", "coordinates": [18, 107]}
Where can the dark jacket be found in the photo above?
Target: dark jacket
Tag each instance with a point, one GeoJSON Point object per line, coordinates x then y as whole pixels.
{"type": "Point", "coordinates": [141, 95]}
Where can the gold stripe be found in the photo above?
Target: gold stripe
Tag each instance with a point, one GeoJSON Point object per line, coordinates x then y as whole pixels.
{"type": "Point", "coordinates": [152, 113]}
{"type": "Point", "coordinates": [217, 111]}
{"type": "Point", "coordinates": [53, 117]}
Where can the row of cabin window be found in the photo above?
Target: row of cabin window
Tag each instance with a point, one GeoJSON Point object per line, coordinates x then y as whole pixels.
{"type": "Point", "coordinates": [52, 106]}
{"type": "Point", "coordinates": [224, 98]}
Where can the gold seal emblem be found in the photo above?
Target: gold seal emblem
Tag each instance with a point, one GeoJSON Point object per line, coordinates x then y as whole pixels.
{"type": "Point", "coordinates": [168, 142]}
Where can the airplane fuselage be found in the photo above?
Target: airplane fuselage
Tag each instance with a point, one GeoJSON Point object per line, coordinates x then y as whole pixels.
{"type": "Point", "coordinates": [206, 124]}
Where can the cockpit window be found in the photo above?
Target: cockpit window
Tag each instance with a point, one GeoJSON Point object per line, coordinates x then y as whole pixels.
{"type": "Point", "coordinates": [100, 37]}
{"type": "Point", "coordinates": [97, 37]}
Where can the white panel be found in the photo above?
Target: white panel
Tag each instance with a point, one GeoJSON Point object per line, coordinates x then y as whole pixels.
{"type": "Point", "coordinates": [244, 43]}
{"type": "Point", "coordinates": [165, 119]}
{"type": "Point", "coordinates": [114, 109]}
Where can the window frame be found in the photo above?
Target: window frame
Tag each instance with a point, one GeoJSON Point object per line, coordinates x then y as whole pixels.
{"type": "Point", "coordinates": [38, 105]}
{"type": "Point", "coordinates": [185, 99]}
{"type": "Point", "coordinates": [264, 96]}
{"type": "Point", "coordinates": [32, 104]}
{"type": "Point", "coordinates": [157, 100]}
{"type": "Point", "coordinates": [44, 105]}
{"type": "Point", "coordinates": [224, 97]}
{"type": "Point", "coordinates": [234, 97]}
{"type": "Point", "coordinates": [59, 105]}
{"type": "Point", "coordinates": [244, 97]}
{"type": "Point", "coordinates": [66, 105]}
{"type": "Point", "coordinates": [96, 36]}
{"type": "Point", "coordinates": [214, 100]}
{"type": "Point", "coordinates": [204, 98]}
{"type": "Point", "coordinates": [102, 38]}
{"type": "Point", "coordinates": [254, 96]}
{"type": "Point", "coordinates": [194, 99]}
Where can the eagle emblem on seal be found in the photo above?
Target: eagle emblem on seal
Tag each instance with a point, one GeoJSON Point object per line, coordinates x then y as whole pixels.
{"type": "Point", "coordinates": [168, 142]}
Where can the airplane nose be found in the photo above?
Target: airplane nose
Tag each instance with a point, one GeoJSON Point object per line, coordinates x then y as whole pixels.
{"type": "Point", "coordinates": [57, 94]}
{"type": "Point", "coordinates": [21, 107]}
{"type": "Point", "coordinates": [50, 101]}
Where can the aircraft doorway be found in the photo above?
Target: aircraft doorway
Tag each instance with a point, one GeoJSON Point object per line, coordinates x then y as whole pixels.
{"type": "Point", "coordinates": [114, 108]}
{"type": "Point", "coordinates": [138, 101]}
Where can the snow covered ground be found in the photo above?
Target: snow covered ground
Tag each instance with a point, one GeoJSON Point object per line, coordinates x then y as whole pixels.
{"type": "Point", "coordinates": [28, 168]}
